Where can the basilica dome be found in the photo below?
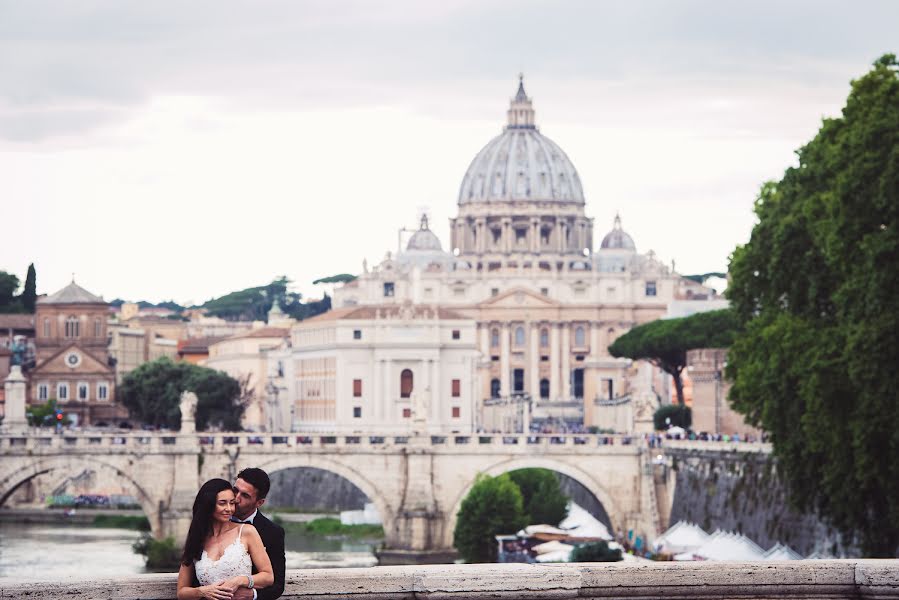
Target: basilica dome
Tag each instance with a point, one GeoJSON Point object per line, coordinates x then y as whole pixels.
{"type": "Point", "coordinates": [521, 164]}
{"type": "Point", "coordinates": [618, 239]}
{"type": "Point", "coordinates": [424, 238]}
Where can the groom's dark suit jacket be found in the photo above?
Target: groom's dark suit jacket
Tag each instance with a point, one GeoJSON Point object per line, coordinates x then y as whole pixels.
{"type": "Point", "coordinates": [273, 537]}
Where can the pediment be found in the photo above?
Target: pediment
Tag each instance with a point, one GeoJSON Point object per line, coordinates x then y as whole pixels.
{"type": "Point", "coordinates": [59, 363]}
{"type": "Point", "coordinates": [519, 298]}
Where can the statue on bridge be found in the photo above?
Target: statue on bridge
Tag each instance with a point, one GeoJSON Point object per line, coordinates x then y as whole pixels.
{"type": "Point", "coordinates": [188, 408]}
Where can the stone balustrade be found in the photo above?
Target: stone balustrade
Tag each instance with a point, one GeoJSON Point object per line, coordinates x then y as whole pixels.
{"type": "Point", "coordinates": [37, 440]}
{"type": "Point", "coordinates": [816, 579]}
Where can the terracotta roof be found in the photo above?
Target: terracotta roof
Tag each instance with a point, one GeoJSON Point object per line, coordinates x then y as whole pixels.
{"type": "Point", "coordinates": [198, 345]}
{"type": "Point", "coordinates": [71, 294]}
{"type": "Point", "coordinates": [17, 321]}
{"type": "Point", "coordinates": [389, 311]}
{"type": "Point", "coordinates": [266, 332]}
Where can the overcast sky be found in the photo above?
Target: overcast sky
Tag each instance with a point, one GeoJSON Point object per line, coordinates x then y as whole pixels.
{"type": "Point", "coordinates": [186, 149]}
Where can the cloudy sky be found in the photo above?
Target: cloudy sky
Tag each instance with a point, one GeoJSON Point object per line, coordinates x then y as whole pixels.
{"type": "Point", "coordinates": [186, 149]}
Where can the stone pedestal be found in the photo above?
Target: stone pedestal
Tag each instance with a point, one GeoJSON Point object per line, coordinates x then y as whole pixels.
{"type": "Point", "coordinates": [14, 419]}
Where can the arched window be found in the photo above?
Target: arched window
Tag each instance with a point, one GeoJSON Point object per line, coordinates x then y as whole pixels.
{"type": "Point", "coordinates": [544, 388]}
{"type": "Point", "coordinates": [406, 383]}
{"type": "Point", "coordinates": [544, 338]}
{"type": "Point", "coordinates": [494, 338]}
{"type": "Point", "coordinates": [519, 336]}
{"type": "Point", "coordinates": [494, 388]}
{"type": "Point", "coordinates": [72, 327]}
{"type": "Point", "coordinates": [579, 338]}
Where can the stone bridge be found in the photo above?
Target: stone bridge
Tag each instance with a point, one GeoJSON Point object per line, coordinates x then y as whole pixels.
{"type": "Point", "coordinates": [417, 482]}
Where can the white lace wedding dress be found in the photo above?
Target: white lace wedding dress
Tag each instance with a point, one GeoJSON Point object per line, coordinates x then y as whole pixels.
{"type": "Point", "coordinates": [235, 560]}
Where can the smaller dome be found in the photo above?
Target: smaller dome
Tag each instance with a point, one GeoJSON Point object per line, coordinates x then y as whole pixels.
{"type": "Point", "coordinates": [618, 239]}
{"type": "Point", "coordinates": [424, 238]}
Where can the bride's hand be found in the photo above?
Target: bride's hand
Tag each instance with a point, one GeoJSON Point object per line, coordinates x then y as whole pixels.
{"type": "Point", "coordinates": [217, 591]}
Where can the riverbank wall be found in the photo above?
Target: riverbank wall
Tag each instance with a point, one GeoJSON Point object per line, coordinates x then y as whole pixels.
{"type": "Point", "coordinates": [810, 580]}
{"type": "Point", "coordinates": [743, 492]}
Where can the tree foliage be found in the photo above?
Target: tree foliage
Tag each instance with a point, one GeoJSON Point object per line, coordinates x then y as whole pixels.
{"type": "Point", "coordinates": [253, 304]}
{"type": "Point", "coordinates": [665, 342]}
{"type": "Point", "coordinates": [9, 302]}
{"type": "Point", "coordinates": [815, 292]}
{"type": "Point", "coordinates": [595, 552]}
{"type": "Point", "coordinates": [542, 497]}
{"type": "Point", "coordinates": [676, 415]}
{"type": "Point", "coordinates": [152, 394]}
{"type": "Point", "coordinates": [339, 278]}
{"type": "Point", "coordinates": [29, 291]}
{"type": "Point", "coordinates": [493, 506]}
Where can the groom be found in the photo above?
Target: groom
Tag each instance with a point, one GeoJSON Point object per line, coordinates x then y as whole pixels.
{"type": "Point", "coordinates": [250, 490]}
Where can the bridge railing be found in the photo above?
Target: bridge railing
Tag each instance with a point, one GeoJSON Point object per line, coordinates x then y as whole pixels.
{"type": "Point", "coordinates": [810, 579]}
{"type": "Point", "coordinates": [162, 441]}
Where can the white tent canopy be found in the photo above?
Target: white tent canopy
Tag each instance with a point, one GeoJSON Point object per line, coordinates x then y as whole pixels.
{"type": "Point", "coordinates": [580, 523]}
{"type": "Point", "coordinates": [681, 537]}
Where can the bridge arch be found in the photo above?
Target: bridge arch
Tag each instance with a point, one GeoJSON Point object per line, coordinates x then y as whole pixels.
{"type": "Point", "coordinates": [579, 475]}
{"type": "Point", "coordinates": [11, 480]}
{"type": "Point", "coordinates": [325, 463]}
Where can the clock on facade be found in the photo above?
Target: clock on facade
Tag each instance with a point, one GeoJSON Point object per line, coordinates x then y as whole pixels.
{"type": "Point", "coordinates": [73, 359]}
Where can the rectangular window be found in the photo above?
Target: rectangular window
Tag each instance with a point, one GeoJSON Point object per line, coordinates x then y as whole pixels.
{"type": "Point", "coordinates": [82, 391]}
{"type": "Point", "coordinates": [43, 392]}
{"type": "Point", "coordinates": [544, 291]}
{"type": "Point", "coordinates": [46, 327]}
{"type": "Point", "coordinates": [62, 391]}
{"type": "Point", "coordinates": [407, 413]}
{"type": "Point", "coordinates": [103, 391]}
{"type": "Point", "coordinates": [357, 388]}
{"type": "Point", "coordinates": [494, 292]}
{"type": "Point", "coordinates": [650, 288]}
{"type": "Point", "coordinates": [457, 388]}
{"type": "Point", "coordinates": [517, 380]}
{"type": "Point", "coordinates": [388, 289]}
{"type": "Point", "coordinates": [457, 412]}
{"type": "Point", "coordinates": [357, 334]}
{"type": "Point", "coordinates": [457, 334]}
{"type": "Point", "coordinates": [357, 412]}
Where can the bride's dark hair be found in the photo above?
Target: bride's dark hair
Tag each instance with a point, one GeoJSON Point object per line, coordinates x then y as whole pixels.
{"type": "Point", "coordinates": [201, 523]}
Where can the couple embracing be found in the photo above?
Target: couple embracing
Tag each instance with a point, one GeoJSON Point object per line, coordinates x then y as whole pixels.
{"type": "Point", "coordinates": [232, 551]}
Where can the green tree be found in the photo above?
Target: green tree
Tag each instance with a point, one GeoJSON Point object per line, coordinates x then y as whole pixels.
{"type": "Point", "coordinates": [29, 292]}
{"type": "Point", "coordinates": [9, 283]}
{"type": "Point", "coordinates": [40, 415]}
{"type": "Point", "coordinates": [676, 415]}
{"type": "Point", "coordinates": [595, 552]}
{"type": "Point", "coordinates": [541, 495]}
{"type": "Point", "coordinates": [815, 292]}
{"type": "Point", "coordinates": [665, 342]}
{"type": "Point", "coordinates": [152, 393]}
{"type": "Point", "coordinates": [339, 278]}
{"type": "Point", "coordinates": [492, 507]}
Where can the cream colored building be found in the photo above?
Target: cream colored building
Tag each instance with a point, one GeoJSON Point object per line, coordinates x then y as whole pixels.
{"type": "Point", "coordinates": [522, 265]}
{"type": "Point", "coordinates": [245, 358]}
{"type": "Point", "coordinates": [383, 368]}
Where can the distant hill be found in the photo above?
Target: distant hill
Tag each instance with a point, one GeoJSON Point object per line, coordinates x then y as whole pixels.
{"type": "Point", "coordinates": [253, 304]}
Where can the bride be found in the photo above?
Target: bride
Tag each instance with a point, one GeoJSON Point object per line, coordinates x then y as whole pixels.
{"type": "Point", "coordinates": [220, 553]}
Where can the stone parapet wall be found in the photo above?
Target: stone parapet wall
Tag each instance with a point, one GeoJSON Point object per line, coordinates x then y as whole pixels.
{"type": "Point", "coordinates": [764, 580]}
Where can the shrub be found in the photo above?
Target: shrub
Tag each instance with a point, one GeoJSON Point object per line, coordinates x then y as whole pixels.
{"type": "Point", "coordinates": [595, 552]}
{"type": "Point", "coordinates": [493, 506]}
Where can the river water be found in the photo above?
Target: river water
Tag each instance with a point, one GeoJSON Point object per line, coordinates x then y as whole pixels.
{"type": "Point", "coordinates": [30, 551]}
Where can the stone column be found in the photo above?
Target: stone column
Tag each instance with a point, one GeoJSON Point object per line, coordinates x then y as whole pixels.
{"type": "Point", "coordinates": [439, 395]}
{"type": "Point", "coordinates": [535, 235]}
{"type": "Point", "coordinates": [534, 361]}
{"type": "Point", "coordinates": [566, 361]}
{"type": "Point", "coordinates": [485, 339]}
{"type": "Point", "coordinates": [507, 235]}
{"type": "Point", "coordinates": [504, 360]}
{"type": "Point", "coordinates": [554, 375]}
{"type": "Point", "coordinates": [14, 420]}
{"type": "Point", "coordinates": [389, 406]}
{"type": "Point", "coordinates": [377, 403]}
{"type": "Point", "coordinates": [594, 339]}
{"type": "Point", "coordinates": [560, 236]}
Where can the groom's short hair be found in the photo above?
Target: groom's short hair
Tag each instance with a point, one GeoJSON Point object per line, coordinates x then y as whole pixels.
{"type": "Point", "coordinates": [258, 479]}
